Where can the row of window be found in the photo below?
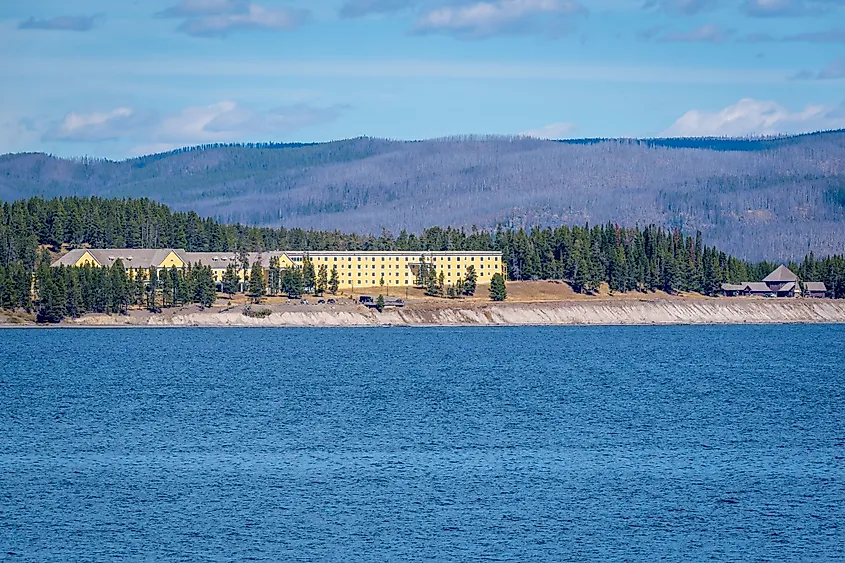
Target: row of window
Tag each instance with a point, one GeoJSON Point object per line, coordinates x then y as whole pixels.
{"type": "Point", "coordinates": [395, 259]}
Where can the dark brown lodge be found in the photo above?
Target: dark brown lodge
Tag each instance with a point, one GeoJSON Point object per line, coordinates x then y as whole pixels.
{"type": "Point", "coordinates": [780, 283]}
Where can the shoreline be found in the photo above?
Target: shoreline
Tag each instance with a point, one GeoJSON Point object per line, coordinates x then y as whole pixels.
{"type": "Point", "coordinates": [655, 312]}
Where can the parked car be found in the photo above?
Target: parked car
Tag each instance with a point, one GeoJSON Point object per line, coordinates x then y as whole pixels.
{"type": "Point", "coordinates": [321, 302]}
{"type": "Point", "coordinates": [303, 302]}
{"type": "Point", "coordinates": [364, 299]}
{"type": "Point", "coordinates": [331, 301]}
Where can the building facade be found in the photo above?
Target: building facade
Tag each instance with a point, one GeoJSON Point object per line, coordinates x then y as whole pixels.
{"type": "Point", "coordinates": [354, 268]}
{"type": "Point", "coordinates": [780, 283]}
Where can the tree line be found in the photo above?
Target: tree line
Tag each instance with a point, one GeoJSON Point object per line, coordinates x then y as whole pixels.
{"type": "Point", "coordinates": [57, 293]}
{"type": "Point", "coordinates": [626, 258]}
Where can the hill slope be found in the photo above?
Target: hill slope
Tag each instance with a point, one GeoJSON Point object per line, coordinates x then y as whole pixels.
{"type": "Point", "coordinates": [758, 198]}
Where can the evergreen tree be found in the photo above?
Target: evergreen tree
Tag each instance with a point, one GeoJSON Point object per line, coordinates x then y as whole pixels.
{"type": "Point", "coordinates": [308, 276]}
{"type": "Point", "coordinates": [498, 291]}
{"type": "Point", "coordinates": [74, 306]}
{"type": "Point", "coordinates": [274, 276]}
{"type": "Point", "coordinates": [257, 287]}
{"type": "Point", "coordinates": [152, 291]}
{"type": "Point", "coordinates": [380, 303]}
{"type": "Point", "coordinates": [119, 291]}
{"type": "Point", "coordinates": [470, 281]}
{"type": "Point", "coordinates": [334, 281]}
{"type": "Point", "coordinates": [243, 259]}
{"type": "Point", "coordinates": [292, 283]}
{"type": "Point", "coordinates": [422, 273]}
{"type": "Point", "coordinates": [230, 281]}
{"type": "Point", "coordinates": [51, 304]}
{"type": "Point", "coordinates": [205, 289]}
{"type": "Point", "coordinates": [322, 279]}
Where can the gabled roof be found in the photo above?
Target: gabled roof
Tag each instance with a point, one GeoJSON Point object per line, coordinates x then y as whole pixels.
{"type": "Point", "coordinates": [732, 287]}
{"type": "Point", "coordinates": [757, 287]}
{"type": "Point", "coordinates": [788, 286]}
{"type": "Point", "coordinates": [781, 274]}
{"type": "Point", "coordinates": [131, 257]}
{"type": "Point", "coordinates": [221, 260]}
{"type": "Point", "coordinates": [815, 286]}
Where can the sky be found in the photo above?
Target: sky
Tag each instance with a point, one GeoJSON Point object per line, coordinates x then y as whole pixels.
{"type": "Point", "coordinates": [117, 78]}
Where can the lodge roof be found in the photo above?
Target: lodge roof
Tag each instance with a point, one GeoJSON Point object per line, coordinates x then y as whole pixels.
{"type": "Point", "coordinates": [815, 286]}
{"type": "Point", "coordinates": [758, 287]}
{"type": "Point", "coordinates": [149, 258]}
{"type": "Point", "coordinates": [131, 257]}
{"type": "Point", "coordinates": [781, 274]}
{"type": "Point", "coordinates": [732, 287]}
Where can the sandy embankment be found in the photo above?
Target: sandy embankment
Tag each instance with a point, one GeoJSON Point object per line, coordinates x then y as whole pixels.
{"type": "Point", "coordinates": [598, 312]}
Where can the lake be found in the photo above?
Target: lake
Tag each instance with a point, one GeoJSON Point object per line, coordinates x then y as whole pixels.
{"type": "Point", "coordinates": [528, 444]}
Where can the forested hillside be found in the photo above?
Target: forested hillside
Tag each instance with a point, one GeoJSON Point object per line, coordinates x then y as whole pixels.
{"type": "Point", "coordinates": [627, 259]}
{"type": "Point", "coordinates": [756, 199]}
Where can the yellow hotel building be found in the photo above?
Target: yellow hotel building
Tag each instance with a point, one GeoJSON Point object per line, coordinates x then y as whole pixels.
{"type": "Point", "coordinates": [354, 268]}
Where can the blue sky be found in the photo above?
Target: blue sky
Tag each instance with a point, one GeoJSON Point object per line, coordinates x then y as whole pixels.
{"type": "Point", "coordinates": [117, 79]}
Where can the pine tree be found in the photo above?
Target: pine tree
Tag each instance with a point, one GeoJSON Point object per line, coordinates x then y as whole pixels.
{"type": "Point", "coordinates": [274, 276]}
{"type": "Point", "coordinates": [73, 301]}
{"type": "Point", "coordinates": [292, 283]}
{"type": "Point", "coordinates": [205, 290]}
{"type": "Point", "coordinates": [470, 281]}
{"type": "Point", "coordinates": [152, 291]}
{"type": "Point", "coordinates": [498, 291]}
{"type": "Point", "coordinates": [308, 277]}
{"type": "Point", "coordinates": [243, 259]}
{"type": "Point", "coordinates": [257, 287]}
{"type": "Point", "coordinates": [422, 273]}
{"type": "Point", "coordinates": [334, 282]}
{"type": "Point", "coordinates": [51, 306]}
{"type": "Point", "coordinates": [380, 303]}
{"type": "Point", "coordinates": [119, 290]}
{"type": "Point", "coordinates": [230, 281]}
{"type": "Point", "coordinates": [322, 279]}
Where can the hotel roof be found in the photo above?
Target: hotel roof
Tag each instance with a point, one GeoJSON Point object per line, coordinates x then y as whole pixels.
{"type": "Point", "coordinates": [781, 274]}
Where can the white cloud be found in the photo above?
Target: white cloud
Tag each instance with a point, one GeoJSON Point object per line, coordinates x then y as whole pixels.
{"type": "Point", "coordinates": [708, 33]}
{"type": "Point", "coordinates": [222, 122]}
{"type": "Point", "coordinates": [60, 23]}
{"type": "Point", "coordinates": [93, 127]}
{"type": "Point", "coordinates": [835, 70]}
{"type": "Point", "coordinates": [552, 131]}
{"type": "Point", "coordinates": [776, 8]}
{"type": "Point", "coordinates": [756, 117]}
{"type": "Point", "coordinates": [193, 8]}
{"type": "Point", "coordinates": [682, 7]}
{"type": "Point", "coordinates": [218, 18]}
{"type": "Point", "coordinates": [487, 18]}
{"type": "Point", "coordinates": [360, 8]}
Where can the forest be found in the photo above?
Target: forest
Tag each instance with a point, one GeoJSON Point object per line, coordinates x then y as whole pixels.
{"type": "Point", "coordinates": [626, 258]}
{"type": "Point", "coordinates": [753, 198]}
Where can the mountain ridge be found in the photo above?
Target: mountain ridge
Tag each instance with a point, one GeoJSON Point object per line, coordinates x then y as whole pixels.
{"type": "Point", "coordinates": [758, 197]}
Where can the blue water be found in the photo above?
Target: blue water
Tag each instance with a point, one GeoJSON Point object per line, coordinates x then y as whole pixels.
{"type": "Point", "coordinates": [528, 444]}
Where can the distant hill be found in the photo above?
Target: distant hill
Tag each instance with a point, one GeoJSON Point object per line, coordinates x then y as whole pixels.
{"type": "Point", "coordinates": [756, 198]}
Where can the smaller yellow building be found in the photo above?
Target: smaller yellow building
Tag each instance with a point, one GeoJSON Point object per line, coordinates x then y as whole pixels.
{"type": "Point", "coordinates": [355, 269]}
